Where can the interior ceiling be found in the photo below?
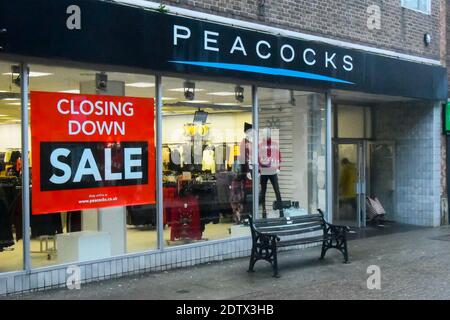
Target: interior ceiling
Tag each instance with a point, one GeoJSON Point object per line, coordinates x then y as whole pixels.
{"type": "Point", "coordinates": [59, 79]}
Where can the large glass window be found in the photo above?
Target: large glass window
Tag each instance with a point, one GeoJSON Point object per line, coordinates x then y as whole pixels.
{"type": "Point", "coordinates": [103, 105]}
{"type": "Point", "coordinates": [11, 244]}
{"type": "Point", "coordinates": [207, 184]}
{"type": "Point", "coordinates": [291, 152]}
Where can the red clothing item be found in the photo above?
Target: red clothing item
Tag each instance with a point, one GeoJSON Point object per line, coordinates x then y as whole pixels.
{"type": "Point", "coordinates": [269, 157]}
{"type": "Point", "coordinates": [185, 219]}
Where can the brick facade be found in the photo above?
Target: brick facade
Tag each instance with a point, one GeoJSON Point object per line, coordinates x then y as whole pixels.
{"type": "Point", "coordinates": [402, 30]}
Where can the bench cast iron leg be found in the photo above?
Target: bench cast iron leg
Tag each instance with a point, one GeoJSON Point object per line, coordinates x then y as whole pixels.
{"type": "Point", "coordinates": [345, 252]}
{"type": "Point", "coordinates": [324, 250]}
{"type": "Point", "coordinates": [252, 260]}
{"type": "Point", "coordinates": [275, 261]}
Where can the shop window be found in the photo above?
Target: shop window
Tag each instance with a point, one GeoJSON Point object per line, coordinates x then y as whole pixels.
{"type": "Point", "coordinates": [418, 5]}
{"type": "Point", "coordinates": [95, 194]}
{"type": "Point", "coordinates": [11, 244]}
{"type": "Point", "coordinates": [291, 152]}
{"type": "Point", "coordinates": [207, 188]}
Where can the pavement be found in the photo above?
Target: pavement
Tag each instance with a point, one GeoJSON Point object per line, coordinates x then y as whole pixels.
{"type": "Point", "coordinates": [414, 264]}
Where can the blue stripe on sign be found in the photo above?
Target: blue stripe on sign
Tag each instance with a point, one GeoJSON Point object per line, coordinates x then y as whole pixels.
{"type": "Point", "coordinates": [262, 70]}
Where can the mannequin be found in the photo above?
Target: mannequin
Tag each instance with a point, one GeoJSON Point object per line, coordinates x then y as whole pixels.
{"type": "Point", "coordinates": [269, 167]}
{"type": "Point", "coordinates": [245, 150]}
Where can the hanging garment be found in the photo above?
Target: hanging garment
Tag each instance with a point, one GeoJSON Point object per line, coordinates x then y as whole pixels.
{"type": "Point", "coordinates": [175, 159]}
{"type": "Point", "coordinates": [14, 156]}
{"type": "Point", "coordinates": [223, 185]}
{"type": "Point", "coordinates": [7, 156]}
{"type": "Point", "coordinates": [234, 152]}
{"type": "Point", "coordinates": [45, 224]}
{"type": "Point", "coordinates": [185, 219]}
{"type": "Point", "coordinates": [141, 215]}
{"type": "Point", "coordinates": [166, 157]}
{"type": "Point", "coordinates": [209, 162]}
{"type": "Point", "coordinates": [237, 197]}
{"type": "Point", "coordinates": [6, 235]}
{"type": "Point", "coordinates": [73, 222]}
{"type": "Point", "coordinates": [269, 157]}
{"type": "Point", "coordinates": [245, 155]}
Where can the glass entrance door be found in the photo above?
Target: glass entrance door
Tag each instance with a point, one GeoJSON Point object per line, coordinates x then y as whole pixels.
{"type": "Point", "coordinates": [349, 187]}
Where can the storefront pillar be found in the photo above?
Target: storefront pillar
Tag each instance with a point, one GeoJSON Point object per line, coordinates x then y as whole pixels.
{"type": "Point", "coordinates": [24, 72]}
{"type": "Point", "coordinates": [255, 137]}
{"type": "Point", "coordinates": [329, 157]}
{"type": "Point", "coordinates": [159, 170]}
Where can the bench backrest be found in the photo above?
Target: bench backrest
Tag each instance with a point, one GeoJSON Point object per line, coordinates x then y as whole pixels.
{"type": "Point", "coordinates": [289, 225]}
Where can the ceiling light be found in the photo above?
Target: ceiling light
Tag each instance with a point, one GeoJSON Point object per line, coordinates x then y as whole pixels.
{"type": "Point", "coordinates": [11, 99]}
{"type": "Point", "coordinates": [182, 90]}
{"type": "Point", "coordinates": [189, 90]}
{"type": "Point", "coordinates": [140, 84]}
{"type": "Point", "coordinates": [227, 104]}
{"type": "Point", "coordinates": [168, 98]}
{"type": "Point", "coordinates": [70, 91]}
{"type": "Point", "coordinates": [3, 91]}
{"type": "Point", "coordinates": [14, 104]}
{"type": "Point", "coordinates": [239, 94]}
{"type": "Point", "coordinates": [195, 101]}
{"type": "Point", "coordinates": [4, 115]}
{"type": "Point", "coordinates": [32, 74]}
{"type": "Point", "coordinates": [222, 93]}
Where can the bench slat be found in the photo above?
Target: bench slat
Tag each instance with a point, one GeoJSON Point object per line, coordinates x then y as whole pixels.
{"type": "Point", "coordinates": [293, 242]}
{"type": "Point", "coordinates": [281, 221]}
{"type": "Point", "coordinates": [288, 227]}
{"type": "Point", "coordinates": [293, 232]}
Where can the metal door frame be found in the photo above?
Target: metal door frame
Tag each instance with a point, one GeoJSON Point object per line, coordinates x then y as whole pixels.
{"type": "Point", "coordinates": [361, 184]}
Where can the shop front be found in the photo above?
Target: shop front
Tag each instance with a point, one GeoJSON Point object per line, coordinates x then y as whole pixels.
{"type": "Point", "coordinates": [134, 140]}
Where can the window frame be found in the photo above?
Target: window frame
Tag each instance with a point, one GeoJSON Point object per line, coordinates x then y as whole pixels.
{"type": "Point", "coordinates": [403, 4]}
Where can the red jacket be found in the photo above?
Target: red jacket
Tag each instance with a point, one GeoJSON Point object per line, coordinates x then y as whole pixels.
{"type": "Point", "coordinates": [269, 157]}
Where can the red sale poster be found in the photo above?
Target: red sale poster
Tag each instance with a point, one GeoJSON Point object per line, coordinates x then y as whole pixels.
{"type": "Point", "coordinates": [91, 151]}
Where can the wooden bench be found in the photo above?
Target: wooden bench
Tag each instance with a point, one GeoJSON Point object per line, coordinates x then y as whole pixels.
{"type": "Point", "coordinates": [270, 234]}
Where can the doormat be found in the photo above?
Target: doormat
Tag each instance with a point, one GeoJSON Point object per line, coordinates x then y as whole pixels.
{"type": "Point", "coordinates": [445, 237]}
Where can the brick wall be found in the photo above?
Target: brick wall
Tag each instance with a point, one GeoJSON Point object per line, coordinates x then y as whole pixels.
{"type": "Point", "coordinates": [401, 29]}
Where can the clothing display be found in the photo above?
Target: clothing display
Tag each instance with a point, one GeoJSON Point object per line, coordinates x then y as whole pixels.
{"type": "Point", "coordinates": [212, 168]}
{"type": "Point", "coordinates": [185, 218]}
{"type": "Point", "coordinates": [223, 186]}
{"type": "Point", "coordinates": [9, 195]}
{"type": "Point", "coordinates": [237, 197]}
{"type": "Point", "coordinates": [269, 157]}
{"type": "Point", "coordinates": [208, 160]}
{"type": "Point", "coordinates": [73, 221]}
{"type": "Point", "coordinates": [45, 224]}
{"type": "Point", "coordinates": [6, 234]}
{"type": "Point", "coordinates": [141, 215]}
{"type": "Point", "coordinates": [234, 152]}
{"type": "Point", "coordinates": [245, 155]}
{"type": "Point", "coordinates": [169, 195]}
{"type": "Point", "coordinates": [166, 158]}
